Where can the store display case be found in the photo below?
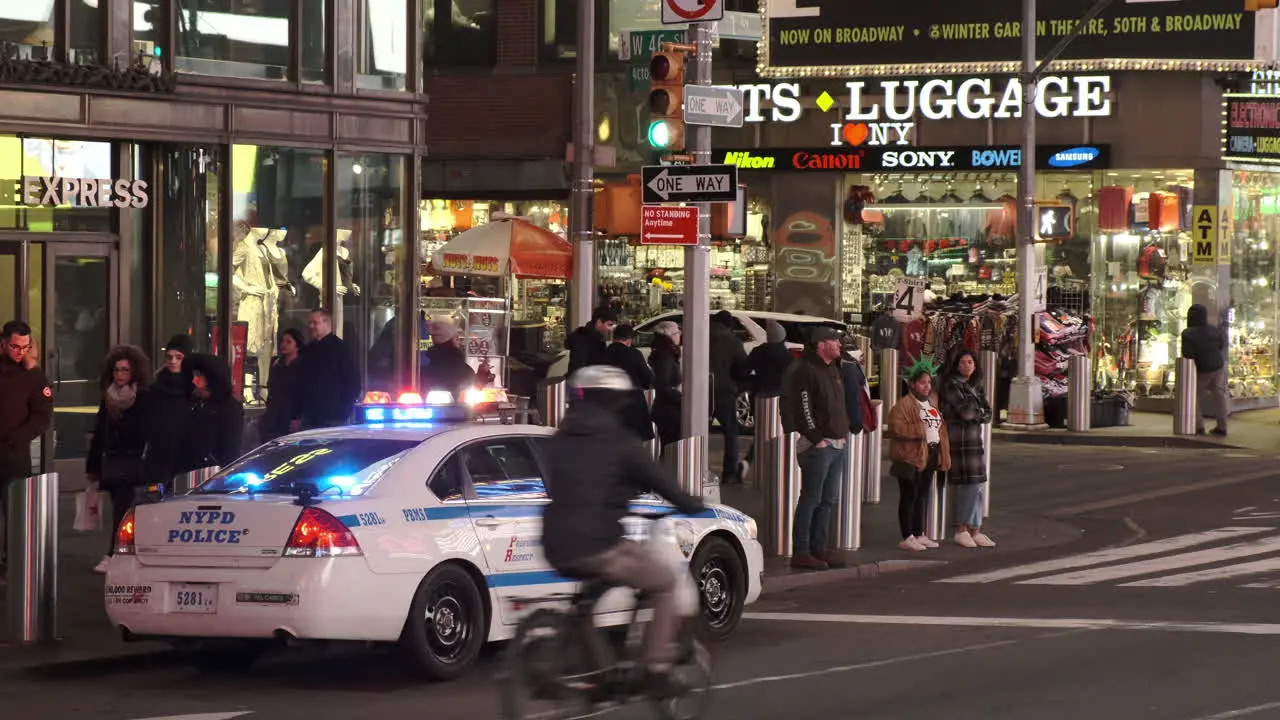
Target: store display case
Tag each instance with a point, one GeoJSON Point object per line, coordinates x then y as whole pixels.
{"type": "Point", "coordinates": [1253, 315]}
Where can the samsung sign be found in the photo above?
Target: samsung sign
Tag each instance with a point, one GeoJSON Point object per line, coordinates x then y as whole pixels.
{"type": "Point", "coordinates": [873, 158]}
{"type": "Point", "coordinates": [1075, 157]}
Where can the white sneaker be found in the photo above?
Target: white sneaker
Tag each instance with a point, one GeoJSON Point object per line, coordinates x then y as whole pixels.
{"type": "Point", "coordinates": [911, 544]}
{"type": "Point", "coordinates": [965, 540]}
{"type": "Point", "coordinates": [983, 541]}
{"type": "Point", "coordinates": [926, 542]}
{"type": "Point", "coordinates": [101, 567]}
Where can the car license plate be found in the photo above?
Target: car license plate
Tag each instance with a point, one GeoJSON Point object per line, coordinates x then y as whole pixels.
{"type": "Point", "coordinates": [197, 598]}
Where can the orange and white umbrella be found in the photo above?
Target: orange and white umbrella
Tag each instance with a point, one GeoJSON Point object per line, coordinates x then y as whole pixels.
{"type": "Point", "coordinates": [511, 246]}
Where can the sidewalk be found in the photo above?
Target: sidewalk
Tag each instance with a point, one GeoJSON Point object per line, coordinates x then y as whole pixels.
{"type": "Point", "coordinates": [1257, 430]}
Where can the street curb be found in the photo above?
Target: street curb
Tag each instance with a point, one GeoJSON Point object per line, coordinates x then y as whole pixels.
{"type": "Point", "coordinates": [774, 584]}
{"type": "Point", "coordinates": [123, 661]}
{"type": "Point", "coordinates": [1066, 437]}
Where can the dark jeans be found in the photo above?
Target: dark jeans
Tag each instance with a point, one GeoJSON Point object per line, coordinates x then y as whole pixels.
{"type": "Point", "coordinates": [726, 411]}
{"type": "Point", "coordinates": [820, 471]}
{"type": "Point", "coordinates": [913, 498]}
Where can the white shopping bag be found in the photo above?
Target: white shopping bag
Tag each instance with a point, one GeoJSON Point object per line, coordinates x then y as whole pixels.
{"type": "Point", "coordinates": [664, 544]}
{"type": "Point", "coordinates": [88, 510]}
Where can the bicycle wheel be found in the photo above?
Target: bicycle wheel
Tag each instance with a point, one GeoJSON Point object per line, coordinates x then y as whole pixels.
{"type": "Point", "coordinates": [693, 672]}
{"type": "Point", "coordinates": [537, 679]}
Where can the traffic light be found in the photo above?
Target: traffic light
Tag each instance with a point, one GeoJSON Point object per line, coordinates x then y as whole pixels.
{"type": "Point", "coordinates": [666, 101]}
{"type": "Point", "coordinates": [1255, 5]}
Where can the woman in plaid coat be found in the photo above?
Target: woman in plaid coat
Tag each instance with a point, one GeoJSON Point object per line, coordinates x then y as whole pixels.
{"type": "Point", "coordinates": [965, 408]}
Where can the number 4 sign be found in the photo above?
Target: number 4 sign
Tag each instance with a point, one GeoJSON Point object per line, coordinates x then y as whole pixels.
{"type": "Point", "coordinates": [908, 298]}
{"type": "Point", "coordinates": [678, 12]}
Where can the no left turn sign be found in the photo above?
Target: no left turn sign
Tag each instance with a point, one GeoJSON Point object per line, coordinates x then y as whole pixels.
{"type": "Point", "coordinates": [678, 12]}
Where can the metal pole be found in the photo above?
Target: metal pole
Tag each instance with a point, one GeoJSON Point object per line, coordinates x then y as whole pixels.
{"type": "Point", "coordinates": [990, 362]}
{"type": "Point", "coordinates": [938, 515]}
{"type": "Point", "coordinates": [874, 463]}
{"type": "Point", "coordinates": [848, 535]}
{"type": "Point", "coordinates": [1026, 405]}
{"type": "Point", "coordinates": [33, 559]}
{"type": "Point", "coordinates": [1079, 394]}
{"type": "Point", "coordinates": [583, 296]}
{"type": "Point", "coordinates": [186, 482]}
{"type": "Point", "coordinates": [1185, 413]}
{"type": "Point", "coordinates": [697, 299]}
{"type": "Point", "coordinates": [768, 428]}
{"type": "Point", "coordinates": [888, 378]}
{"type": "Point", "coordinates": [555, 403]}
{"type": "Point", "coordinates": [782, 496]}
{"type": "Point", "coordinates": [654, 445]}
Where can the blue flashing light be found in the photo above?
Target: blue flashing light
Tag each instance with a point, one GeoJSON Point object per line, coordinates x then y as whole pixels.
{"type": "Point", "coordinates": [346, 482]}
{"type": "Point", "coordinates": [375, 414]}
{"type": "Point", "coordinates": [412, 413]}
{"type": "Point", "coordinates": [250, 479]}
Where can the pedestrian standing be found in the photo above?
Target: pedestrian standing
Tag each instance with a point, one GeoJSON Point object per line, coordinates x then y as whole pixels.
{"type": "Point", "coordinates": [668, 397]}
{"type": "Point", "coordinates": [330, 379]}
{"type": "Point", "coordinates": [622, 355]}
{"type": "Point", "coordinates": [26, 409]}
{"type": "Point", "coordinates": [284, 395]}
{"type": "Point", "coordinates": [814, 407]}
{"type": "Point", "coordinates": [767, 363]}
{"type": "Point", "coordinates": [966, 411]}
{"type": "Point", "coordinates": [587, 344]}
{"type": "Point", "coordinates": [1207, 345]}
{"type": "Point", "coordinates": [444, 364]}
{"type": "Point", "coordinates": [119, 443]}
{"type": "Point", "coordinates": [920, 449]}
{"type": "Point", "coordinates": [215, 423]}
{"type": "Point", "coordinates": [728, 360]}
{"type": "Point", "coordinates": [857, 394]}
{"type": "Point", "coordinates": [168, 409]}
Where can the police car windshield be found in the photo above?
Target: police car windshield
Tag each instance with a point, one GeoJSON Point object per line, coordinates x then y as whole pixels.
{"type": "Point", "coordinates": [318, 466]}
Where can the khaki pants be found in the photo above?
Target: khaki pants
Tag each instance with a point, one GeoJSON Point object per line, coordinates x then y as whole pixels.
{"type": "Point", "coordinates": [629, 563]}
{"type": "Point", "coordinates": [1212, 399]}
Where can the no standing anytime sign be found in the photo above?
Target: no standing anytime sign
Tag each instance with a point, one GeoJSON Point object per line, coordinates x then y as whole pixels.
{"type": "Point", "coordinates": [663, 225]}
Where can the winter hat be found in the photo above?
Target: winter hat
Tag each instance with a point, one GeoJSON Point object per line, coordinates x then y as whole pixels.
{"type": "Point", "coordinates": [180, 343]}
{"type": "Point", "coordinates": [774, 332]}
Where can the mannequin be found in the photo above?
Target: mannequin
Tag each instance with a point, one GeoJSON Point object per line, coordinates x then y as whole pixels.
{"type": "Point", "coordinates": [277, 263]}
{"type": "Point", "coordinates": [313, 274]}
{"type": "Point", "coordinates": [256, 296]}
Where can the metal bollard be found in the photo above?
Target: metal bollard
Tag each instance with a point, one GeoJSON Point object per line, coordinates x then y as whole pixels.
{"type": "Point", "coordinates": [1079, 394]}
{"type": "Point", "coordinates": [768, 427]}
{"type": "Point", "coordinates": [33, 559]}
{"type": "Point", "coordinates": [655, 445]}
{"type": "Point", "coordinates": [848, 534]}
{"type": "Point", "coordinates": [990, 362]}
{"type": "Point", "coordinates": [1185, 413]}
{"type": "Point", "coordinates": [782, 495]}
{"type": "Point", "coordinates": [888, 379]}
{"type": "Point", "coordinates": [873, 462]}
{"type": "Point", "coordinates": [186, 482]}
{"type": "Point", "coordinates": [555, 402]}
{"type": "Point", "coordinates": [684, 457]}
{"type": "Point", "coordinates": [939, 515]}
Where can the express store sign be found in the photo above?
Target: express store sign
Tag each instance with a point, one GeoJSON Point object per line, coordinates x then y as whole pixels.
{"type": "Point", "coordinates": [895, 159]}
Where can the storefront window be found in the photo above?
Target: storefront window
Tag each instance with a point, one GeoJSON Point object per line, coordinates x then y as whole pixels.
{"type": "Point", "coordinates": [86, 32]}
{"type": "Point", "coordinates": [370, 232]}
{"type": "Point", "coordinates": [187, 285]}
{"type": "Point", "coordinates": [382, 44]}
{"type": "Point", "coordinates": [1256, 207]}
{"type": "Point", "coordinates": [459, 33]}
{"type": "Point", "coordinates": [559, 25]}
{"type": "Point", "coordinates": [29, 27]}
{"type": "Point", "coordinates": [148, 36]}
{"type": "Point", "coordinates": [250, 43]}
{"type": "Point", "coordinates": [42, 207]}
{"type": "Point", "coordinates": [280, 209]}
{"type": "Point", "coordinates": [313, 42]}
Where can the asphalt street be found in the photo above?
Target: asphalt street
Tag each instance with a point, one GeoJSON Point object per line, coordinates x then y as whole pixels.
{"type": "Point", "coordinates": [1162, 606]}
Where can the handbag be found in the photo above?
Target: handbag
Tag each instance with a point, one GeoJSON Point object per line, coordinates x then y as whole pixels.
{"type": "Point", "coordinates": [88, 510]}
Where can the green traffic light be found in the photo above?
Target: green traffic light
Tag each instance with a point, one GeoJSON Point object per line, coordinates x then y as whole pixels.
{"type": "Point", "coordinates": [659, 134]}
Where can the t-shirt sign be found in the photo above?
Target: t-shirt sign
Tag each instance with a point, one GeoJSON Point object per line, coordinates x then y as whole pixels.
{"type": "Point", "coordinates": [908, 298]}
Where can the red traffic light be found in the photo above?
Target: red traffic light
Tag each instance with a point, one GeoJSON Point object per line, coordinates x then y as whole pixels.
{"type": "Point", "coordinates": [660, 102]}
{"type": "Point", "coordinates": [659, 67]}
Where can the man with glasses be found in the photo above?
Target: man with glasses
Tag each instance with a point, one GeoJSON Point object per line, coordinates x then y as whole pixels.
{"type": "Point", "coordinates": [26, 408]}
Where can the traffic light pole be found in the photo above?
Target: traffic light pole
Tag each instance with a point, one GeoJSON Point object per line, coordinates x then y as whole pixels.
{"type": "Point", "coordinates": [697, 298]}
{"type": "Point", "coordinates": [582, 290]}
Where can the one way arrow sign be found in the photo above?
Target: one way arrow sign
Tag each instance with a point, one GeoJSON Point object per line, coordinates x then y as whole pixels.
{"type": "Point", "coordinates": [690, 183]}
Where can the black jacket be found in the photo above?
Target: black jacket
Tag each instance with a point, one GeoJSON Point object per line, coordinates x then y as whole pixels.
{"type": "Point", "coordinates": [636, 415]}
{"type": "Point", "coordinates": [124, 437]}
{"type": "Point", "coordinates": [26, 409]}
{"type": "Point", "coordinates": [768, 364]}
{"type": "Point", "coordinates": [664, 358]}
{"type": "Point", "coordinates": [284, 399]}
{"type": "Point", "coordinates": [595, 469]}
{"type": "Point", "coordinates": [330, 383]}
{"type": "Point", "coordinates": [445, 368]}
{"type": "Point", "coordinates": [813, 403]}
{"type": "Point", "coordinates": [855, 383]}
{"type": "Point", "coordinates": [215, 425]}
{"type": "Point", "coordinates": [586, 347]}
{"type": "Point", "coordinates": [1202, 342]}
{"type": "Point", "coordinates": [728, 361]}
{"type": "Point", "coordinates": [168, 412]}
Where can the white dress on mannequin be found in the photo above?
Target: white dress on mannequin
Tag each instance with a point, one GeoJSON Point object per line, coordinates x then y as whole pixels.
{"type": "Point", "coordinates": [255, 292]}
{"type": "Point", "coordinates": [313, 275]}
{"type": "Point", "coordinates": [276, 263]}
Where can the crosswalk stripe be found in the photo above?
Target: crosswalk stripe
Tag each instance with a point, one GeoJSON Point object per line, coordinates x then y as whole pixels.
{"type": "Point", "coordinates": [1154, 547]}
{"type": "Point", "coordinates": [1257, 567]}
{"type": "Point", "coordinates": [1172, 562]}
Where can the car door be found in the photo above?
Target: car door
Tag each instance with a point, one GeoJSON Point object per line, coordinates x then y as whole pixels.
{"type": "Point", "coordinates": [505, 500]}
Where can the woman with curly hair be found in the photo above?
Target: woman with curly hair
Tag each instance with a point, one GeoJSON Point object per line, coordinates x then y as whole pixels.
{"type": "Point", "coordinates": [120, 434]}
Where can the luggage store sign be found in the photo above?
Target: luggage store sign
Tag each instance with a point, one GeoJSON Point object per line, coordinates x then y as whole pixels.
{"type": "Point", "coordinates": [804, 37]}
{"type": "Point", "coordinates": [1251, 129]}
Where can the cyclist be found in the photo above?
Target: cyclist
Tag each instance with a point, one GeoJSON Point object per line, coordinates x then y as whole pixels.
{"type": "Point", "coordinates": [596, 468]}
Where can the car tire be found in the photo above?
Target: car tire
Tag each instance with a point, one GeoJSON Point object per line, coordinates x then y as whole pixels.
{"type": "Point", "coordinates": [224, 658]}
{"type": "Point", "coordinates": [447, 624]}
{"type": "Point", "coordinates": [746, 414]}
{"type": "Point", "coordinates": [722, 587]}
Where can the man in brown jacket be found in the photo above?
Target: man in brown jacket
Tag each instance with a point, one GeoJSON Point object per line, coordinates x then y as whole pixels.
{"type": "Point", "coordinates": [26, 408]}
{"type": "Point", "coordinates": [814, 406]}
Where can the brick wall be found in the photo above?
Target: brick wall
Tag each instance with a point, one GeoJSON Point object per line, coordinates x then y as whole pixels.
{"type": "Point", "coordinates": [517, 111]}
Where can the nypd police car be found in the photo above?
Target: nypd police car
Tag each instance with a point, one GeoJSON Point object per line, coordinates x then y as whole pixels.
{"type": "Point", "coordinates": [418, 526]}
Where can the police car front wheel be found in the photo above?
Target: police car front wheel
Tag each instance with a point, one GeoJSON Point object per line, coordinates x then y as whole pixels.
{"type": "Point", "coordinates": [719, 572]}
{"type": "Point", "coordinates": [446, 626]}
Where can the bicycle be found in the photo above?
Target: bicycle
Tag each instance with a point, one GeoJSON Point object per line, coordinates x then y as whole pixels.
{"type": "Point", "coordinates": [559, 656]}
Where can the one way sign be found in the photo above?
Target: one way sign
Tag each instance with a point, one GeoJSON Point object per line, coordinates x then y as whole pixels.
{"type": "Point", "coordinates": [690, 183]}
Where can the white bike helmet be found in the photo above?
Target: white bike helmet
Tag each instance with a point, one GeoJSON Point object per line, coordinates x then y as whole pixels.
{"type": "Point", "coordinates": [601, 377]}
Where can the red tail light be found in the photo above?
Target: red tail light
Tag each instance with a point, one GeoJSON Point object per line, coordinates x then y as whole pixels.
{"type": "Point", "coordinates": [124, 535]}
{"type": "Point", "coordinates": [319, 534]}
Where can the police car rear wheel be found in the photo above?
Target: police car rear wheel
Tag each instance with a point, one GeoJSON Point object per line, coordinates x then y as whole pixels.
{"type": "Point", "coordinates": [722, 587]}
{"type": "Point", "coordinates": [446, 627]}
